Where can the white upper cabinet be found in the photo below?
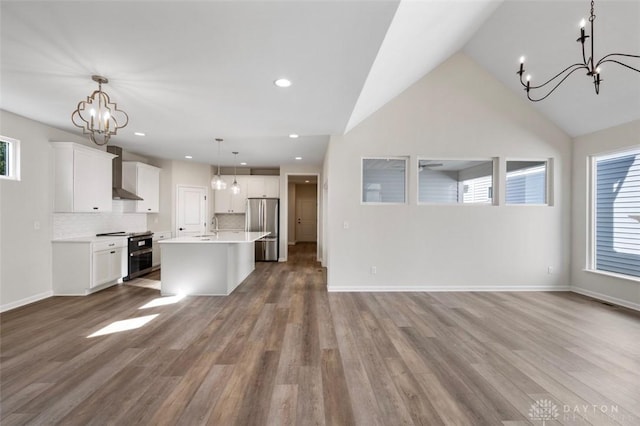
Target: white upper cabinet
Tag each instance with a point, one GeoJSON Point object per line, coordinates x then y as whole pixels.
{"type": "Point", "coordinates": [144, 181]}
{"type": "Point", "coordinates": [227, 202]}
{"type": "Point", "coordinates": [82, 178]}
{"type": "Point", "coordinates": [263, 187]}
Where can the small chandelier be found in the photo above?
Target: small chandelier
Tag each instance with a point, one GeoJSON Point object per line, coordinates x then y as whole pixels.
{"type": "Point", "coordinates": [235, 186]}
{"type": "Point", "coordinates": [97, 116]}
{"type": "Point", "coordinates": [217, 182]}
{"type": "Point", "coordinates": [589, 64]}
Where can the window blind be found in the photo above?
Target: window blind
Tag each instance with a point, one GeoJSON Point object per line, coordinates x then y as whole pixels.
{"type": "Point", "coordinates": [526, 185]}
{"type": "Point", "coordinates": [383, 180]}
{"type": "Point", "coordinates": [617, 197]}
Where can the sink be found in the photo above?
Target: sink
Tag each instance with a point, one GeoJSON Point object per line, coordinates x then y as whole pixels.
{"type": "Point", "coordinates": [205, 236]}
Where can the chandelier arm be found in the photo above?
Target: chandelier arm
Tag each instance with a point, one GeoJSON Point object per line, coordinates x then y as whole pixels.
{"type": "Point", "coordinates": [577, 67]}
{"type": "Point", "coordinates": [626, 55]}
{"type": "Point", "coordinates": [584, 55]}
{"type": "Point", "coordinates": [619, 63]}
{"type": "Point", "coordinates": [554, 87]}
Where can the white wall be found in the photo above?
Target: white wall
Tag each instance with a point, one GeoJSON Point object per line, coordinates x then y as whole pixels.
{"type": "Point", "coordinates": [458, 111]}
{"type": "Point", "coordinates": [622, 291]}
{"type": "Point", "coordinates": [25, 252]}
{"type": "Point", "coordinates": [291, 212]}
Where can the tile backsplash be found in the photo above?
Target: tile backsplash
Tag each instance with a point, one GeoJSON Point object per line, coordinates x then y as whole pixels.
{"type": "Point", "coordinates": [70, 225]}
{"type": "Point", "coordinates": [230, 221]}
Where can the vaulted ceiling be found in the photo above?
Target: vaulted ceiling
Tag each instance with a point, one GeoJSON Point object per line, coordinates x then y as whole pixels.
{"type": "Point", "coordinates": [187, 72]}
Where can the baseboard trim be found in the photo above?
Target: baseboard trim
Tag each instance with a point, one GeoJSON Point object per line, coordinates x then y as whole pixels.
{"type": "Point", "coordinates": [25, 301]}
{"type": "Point", "coordinates": [606, 298]}
{"type": "Point", "coordinates": [442, 288]}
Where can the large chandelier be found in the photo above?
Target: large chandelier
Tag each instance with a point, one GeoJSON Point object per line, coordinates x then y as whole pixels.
{"type": "Point", "coordinates": [98, 116]}
{"type": "Point", "coordinates": [588, 63]}
{"type": "Point", "coordinates": [217, 182]}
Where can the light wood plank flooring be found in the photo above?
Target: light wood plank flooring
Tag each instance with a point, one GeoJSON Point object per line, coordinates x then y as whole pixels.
{"type": "Point", "coordinates": [281, 350]}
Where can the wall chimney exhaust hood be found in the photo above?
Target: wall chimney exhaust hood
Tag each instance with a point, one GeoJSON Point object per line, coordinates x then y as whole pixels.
{"type": "Point", "coordinates": [118, 192]}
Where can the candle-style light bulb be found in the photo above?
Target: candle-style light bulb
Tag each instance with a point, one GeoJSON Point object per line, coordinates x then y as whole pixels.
{"type": "Point", "coordinates": [583, 23]}
{"type": "Point", "coordinates": [521, 66]}
{"type": "Point", "coordinates": [598, 70]}
{"type": "Point", "coordinates": [528, 77]}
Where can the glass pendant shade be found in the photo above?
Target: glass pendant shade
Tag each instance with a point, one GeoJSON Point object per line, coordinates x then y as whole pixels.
{"type": "Point", "coordinates": [235, 187]}
{"type": "Point", "coordinates": [217, 182]}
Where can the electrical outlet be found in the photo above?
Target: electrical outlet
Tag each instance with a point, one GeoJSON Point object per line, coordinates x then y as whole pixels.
{"type": "Point", "coordinates": [36, 225]}
{"type": "Point", "coordinates": [374, 270]}
{"type": "Point", "coordinates": [345, 225]}
{"type": "Point", "coordinates": [550, 270]}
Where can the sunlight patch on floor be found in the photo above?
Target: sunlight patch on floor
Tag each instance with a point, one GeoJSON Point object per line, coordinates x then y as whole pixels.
{"type": "Point", "coordinates": [162, 301]}
{"type": "Point", "coordinates": [124, 325]}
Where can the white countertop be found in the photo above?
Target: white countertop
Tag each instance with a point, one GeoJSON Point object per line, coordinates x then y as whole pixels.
{"type": "Point", "coordinates": [90, 239]}
{"type": "Point", "coordinates": [221, 237]}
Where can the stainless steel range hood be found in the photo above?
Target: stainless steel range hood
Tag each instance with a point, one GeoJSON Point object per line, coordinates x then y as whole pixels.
{"type": "Point", "coordinates": [118, 192]}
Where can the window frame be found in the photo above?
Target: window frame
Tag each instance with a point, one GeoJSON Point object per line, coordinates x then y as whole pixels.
{"type": "Point", "coordinates": [591, 175]}
{"type": "Point", "coordinates": [494, 179]}
{"type": "Point", "coordinates": [406, 181]}
{"type": "Point", "coordinates": [548, 185]}
{"type": "Point", "coordinates": [13, 145]}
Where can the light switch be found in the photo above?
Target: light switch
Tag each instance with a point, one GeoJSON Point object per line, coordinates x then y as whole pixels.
{"type": "Point", "coordinates": [345, 225]}
{"type": "Point", "coordinates": [36, 225]}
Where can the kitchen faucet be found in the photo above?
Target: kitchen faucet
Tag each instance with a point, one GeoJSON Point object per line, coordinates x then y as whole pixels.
{"type": "Point", "coordinates": [214, 220]}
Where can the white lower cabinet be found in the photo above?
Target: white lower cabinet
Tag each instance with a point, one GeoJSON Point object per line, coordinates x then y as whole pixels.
{"type": "Point", "coordinates": [158, 236]}
{"type": "Point", "coordinates": [107, 266]}
{"type": "Point", "coordinates": [82, 267]}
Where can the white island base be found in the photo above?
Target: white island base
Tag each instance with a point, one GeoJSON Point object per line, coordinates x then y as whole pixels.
{"type": "Point", "coordinates": [213, 265]}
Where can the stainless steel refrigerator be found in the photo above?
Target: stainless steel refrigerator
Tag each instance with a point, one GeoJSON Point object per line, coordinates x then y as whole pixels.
{"type": "Point", "coordinates": [263, 215]}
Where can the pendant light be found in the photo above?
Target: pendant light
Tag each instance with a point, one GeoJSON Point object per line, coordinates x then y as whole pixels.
{"type": "Point", "coordinates": [235, 186]}
{"type": "Point", "coordinates": [98, 117]}
{"type": "Point", "coordinates": [217, 182]}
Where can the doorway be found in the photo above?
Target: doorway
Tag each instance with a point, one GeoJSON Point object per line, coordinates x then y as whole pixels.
{"type": "Point", "coordinates": [306, 213]}
{"type": "Point", "coordinates": [302, 224]}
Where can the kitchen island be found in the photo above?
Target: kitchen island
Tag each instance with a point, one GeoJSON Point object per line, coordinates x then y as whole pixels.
{"type": "Point", "coordinates": [207, 265]}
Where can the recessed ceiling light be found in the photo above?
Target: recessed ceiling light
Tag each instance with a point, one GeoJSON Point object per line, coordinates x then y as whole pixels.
{"type": "Point", "coordinates": [138, 133]}
{"type": "Point", "coordinates": [188, 157]}
{"type": "Point", "coordinates": [243, 164]}
{"type": "Point", "coordinates": [293, 136]}
{"type": "Point", "coordinates": [282, 82]}
{"type": "Point", "coordinates": [298, 158]}
{"type": "Point", "coordinates": [306, 181]}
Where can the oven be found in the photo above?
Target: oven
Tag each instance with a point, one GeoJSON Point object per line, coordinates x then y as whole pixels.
{"type": "Point", "coordinates": [140, 256]}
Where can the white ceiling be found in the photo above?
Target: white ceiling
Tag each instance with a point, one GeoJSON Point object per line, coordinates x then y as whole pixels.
{"type": "Point", "coordinates": [189, 71]}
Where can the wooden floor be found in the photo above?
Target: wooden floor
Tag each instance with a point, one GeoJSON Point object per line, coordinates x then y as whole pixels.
{"type": "Point", "coordinates": [281, 350]}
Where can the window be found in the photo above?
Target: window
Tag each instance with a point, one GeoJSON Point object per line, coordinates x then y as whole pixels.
{"type": "Point", "coordinates": [9, 158]}
{"type": "Point", "coordinates": [526, 182]}
{"type": "Point", "coordinates": [384, 180]}
{"type": "Point", "coordinates": [617, 213]}
{"type": "Point", "coordinates": [455, 181]}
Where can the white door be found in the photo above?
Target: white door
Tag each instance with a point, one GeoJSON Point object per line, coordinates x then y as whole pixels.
{"type": "Point", "coordinates": [191, 210]}
{"type": "Point", "coordinates": [306, 220]}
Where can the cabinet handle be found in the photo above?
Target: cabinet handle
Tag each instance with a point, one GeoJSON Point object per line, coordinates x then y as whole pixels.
{"type": "Point", "coordinates": [112, 244]}
{"type": "Point", "coordinates": [112, 252]}
{"type": "Point", "coordinates": [149, 209]}
{"type": "Point", "coordinates": [95, 208]}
